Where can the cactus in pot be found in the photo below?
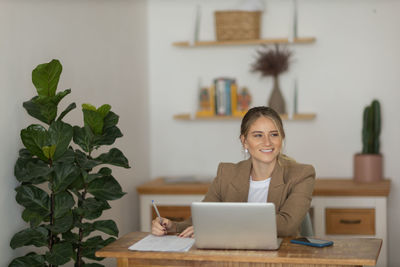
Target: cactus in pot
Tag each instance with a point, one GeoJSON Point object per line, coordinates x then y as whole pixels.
{"type": "Point", "coordinates": [368, 164]}
{"type": "Point", "coordinates": [371, 128]}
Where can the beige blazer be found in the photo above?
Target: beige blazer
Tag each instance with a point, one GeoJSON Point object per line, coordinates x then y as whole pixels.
{"type": "Point", "coordinates": [290, 190]}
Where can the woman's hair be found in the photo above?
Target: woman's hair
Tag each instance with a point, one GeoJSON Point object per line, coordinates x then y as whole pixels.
{"type": "Point", "coordinates": [254, 113]}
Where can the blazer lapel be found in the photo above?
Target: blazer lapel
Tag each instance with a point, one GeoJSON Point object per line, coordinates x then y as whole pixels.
{"type": "Point", "coordinates": [276, 186]}
{"type": "Point", "coordinates": [241, 182]}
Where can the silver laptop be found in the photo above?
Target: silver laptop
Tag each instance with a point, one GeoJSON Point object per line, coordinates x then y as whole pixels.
{"type": "Point", "coordinates": [234, 225]}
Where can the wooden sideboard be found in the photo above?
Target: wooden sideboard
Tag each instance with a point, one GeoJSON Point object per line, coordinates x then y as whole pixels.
{"type": "Point", "coordinates": [340, 208]}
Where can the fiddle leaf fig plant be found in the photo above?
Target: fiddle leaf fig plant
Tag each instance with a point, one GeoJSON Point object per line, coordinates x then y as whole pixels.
{"type": "Point", "coordinates": [63, 186]}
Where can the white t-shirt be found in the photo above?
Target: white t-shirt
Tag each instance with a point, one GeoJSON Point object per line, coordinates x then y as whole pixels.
{"type": "Point", "coordinates": [258, 191]}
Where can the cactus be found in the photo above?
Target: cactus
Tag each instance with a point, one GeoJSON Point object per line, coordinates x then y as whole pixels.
{"type": "Point", "coordinates": [371, 128]}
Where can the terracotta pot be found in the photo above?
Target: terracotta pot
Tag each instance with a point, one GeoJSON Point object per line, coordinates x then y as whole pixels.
{"type": "Point", "coordinates": [368, 168]}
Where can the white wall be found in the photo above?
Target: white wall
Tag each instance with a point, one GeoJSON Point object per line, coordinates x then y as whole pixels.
{"type": "Point", "coordinates": [355, 59]}
{"type": "Point", "coordinates": [102, 46]}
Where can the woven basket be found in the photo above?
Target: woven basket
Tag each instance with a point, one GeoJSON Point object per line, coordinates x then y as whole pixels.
{"type": "Point", "coordinates": [237, 25]}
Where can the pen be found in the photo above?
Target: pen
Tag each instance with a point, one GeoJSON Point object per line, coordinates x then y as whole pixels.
{"type": "Point", "coordinates": [158, 213]}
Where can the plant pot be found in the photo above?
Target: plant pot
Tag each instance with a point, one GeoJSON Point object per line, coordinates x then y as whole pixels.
{"type": "Point", "coordinates": [368, 168]}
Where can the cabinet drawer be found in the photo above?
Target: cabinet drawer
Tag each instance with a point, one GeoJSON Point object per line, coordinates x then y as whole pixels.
{"type": "Point", "coordinates": [175, 213]}
{"type": "Point", "coordinates": [350, 221]}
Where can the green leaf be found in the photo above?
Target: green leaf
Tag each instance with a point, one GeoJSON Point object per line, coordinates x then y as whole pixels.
{"type": "Point", "coordinates": [47, 107]}
{"type": "Point", "coordinates": [83, 138]}
{"type": "Point", "coordinates": [84, 162]}
{"type": "Point", "coordinates": [44, 108]}
{"type": "Point", "coordinates": [65, 174]}
{"type": "Point", "coordinates": [77, 185]}
{"type": "Point", "coordinates": [48, 151]}
{"type": "Point", "coordinates": [24, 153]}
{"type": "Point", "coordinates": [39, 111]}
{"type": "Point", "coordinates": [90, 177]}
{"type": "Point", "coordinates": [62, 224]}
{"type": "Point", "coordinates": [33, 198]}
{"type": "Point", "coordinates": [104, 110]}
{"type": "Point", "coordinates": [91, 245]}
{"type": "Point", "coordinates": [110, 120]}
{"type": "Point", "coordinates": [110, 131]}
{"type": "Point", "coordinates": [108, 137]}
{"type": "Point", "coordinates": [32, 217]}
{"type": "Point", "coordinates": [88, 107]}
{"type": "Point", "coordinates": [106, 188]}
{"type": "Point", "coordinates": [31, 170]}
{"type": "Point", "coordinates": [63, 203]}
{"type": "Point", "coordinates": [60, 254]}
{"type": "Point", "coordinates": [106, 226]}
{"type": "Point", "coordinates": [70, 237]}
{"type": "Point", "coordinates": [29, 260]}
{"type": "Point", "coordinates": [60, 135]}
{"type": "Point", "coordinates": [105, 171]}
{"type": "Point", "coordinates": [68, 157]}
{"type": "Point", "coordinates": [92, 208]}
{"type": "Point", "coordinates": [66, 111]}
{"type": "Point", "coordinates": [86, 227]}
{"type": "Point", "coordinates": [114, 157]}
{"type": "Point", "coordinates": [34, 138]}
{"type": "Point", "coordinates": [36, 237]}
{"type": "Point", "coordinates": [94, 120]}
{"type": "Point", "coordinates": [45, 77]}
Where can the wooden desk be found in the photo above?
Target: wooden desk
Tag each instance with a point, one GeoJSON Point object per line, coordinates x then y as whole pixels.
{"type": "Point", "coordinates": [334, 201]}
{"type": "Point", "coordinates": [345, 252]}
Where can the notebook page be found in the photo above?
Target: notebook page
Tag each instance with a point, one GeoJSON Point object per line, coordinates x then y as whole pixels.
{"type": "Point", "coordinates": [163, 243]}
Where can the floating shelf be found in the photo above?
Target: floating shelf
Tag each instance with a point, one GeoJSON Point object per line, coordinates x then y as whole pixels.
{"type": "Point", "coordinates": [302, 40]}
{"type": "Point", "coordinates": [189, 117]}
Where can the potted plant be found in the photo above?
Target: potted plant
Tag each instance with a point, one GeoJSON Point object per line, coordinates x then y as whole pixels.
{"type": "Point", "coordinates": [368, 163]}
{"type": "Point", "coordinates": [273, 62]}
{"type": "Point", "coordinates": [61, 187]}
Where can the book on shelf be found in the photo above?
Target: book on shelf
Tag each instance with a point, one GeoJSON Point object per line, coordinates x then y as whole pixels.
{"type": "Point", "coordinates": [221, 99]}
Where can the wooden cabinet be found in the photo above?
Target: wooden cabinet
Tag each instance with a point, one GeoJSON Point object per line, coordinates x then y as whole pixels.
{"type": "Point", "coordinates": [340, 208]}
{"type": "Point", "coordinates": [350, 221]}
{"type": "Point", "coordinates": [343, 209]}
{"type": "Point", "coordinates": [174, 213]}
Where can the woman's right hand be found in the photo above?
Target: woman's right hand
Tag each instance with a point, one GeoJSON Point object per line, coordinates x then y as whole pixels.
{"type": "Point", "coordinates": [162, 228]}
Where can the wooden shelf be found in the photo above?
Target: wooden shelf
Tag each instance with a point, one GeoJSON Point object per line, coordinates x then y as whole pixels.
{"type": "Point", "coordinates": [326, 187]}
{"type": "Point", "coordinates": [189, 117]}
{"type": "Point", "coordinates": [301, 40]}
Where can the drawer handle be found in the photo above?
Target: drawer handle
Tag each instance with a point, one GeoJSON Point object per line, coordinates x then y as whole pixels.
{"type": "Point", "coordinates": [350, 221]}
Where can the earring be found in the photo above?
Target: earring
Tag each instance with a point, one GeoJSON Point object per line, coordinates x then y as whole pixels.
{"type": "Point", "coordinates": [246, 151]}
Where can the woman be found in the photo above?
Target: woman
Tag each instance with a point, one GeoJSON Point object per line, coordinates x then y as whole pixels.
{"type": "Point", "coordinates": [267, 176]}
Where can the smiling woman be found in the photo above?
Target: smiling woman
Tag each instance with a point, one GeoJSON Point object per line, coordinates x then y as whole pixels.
{"type": "Point", "coordinates": [267, 176]}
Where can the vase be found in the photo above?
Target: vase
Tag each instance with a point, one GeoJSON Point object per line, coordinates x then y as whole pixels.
{"type": "Point", "coordinates": [368, 168]}
{"type": "Point", "coordinates": [276, 100]}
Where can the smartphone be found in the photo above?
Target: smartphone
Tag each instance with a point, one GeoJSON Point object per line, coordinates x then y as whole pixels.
{"type": "Point", "coordinates": [312, 242]}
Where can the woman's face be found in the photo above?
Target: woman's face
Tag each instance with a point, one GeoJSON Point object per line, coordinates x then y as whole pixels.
{"type": "Point", "coordinates": [263, 141]}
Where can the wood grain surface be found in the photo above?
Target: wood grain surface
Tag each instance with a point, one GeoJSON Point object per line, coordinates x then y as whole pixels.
{"type": "Point", "coordinates": [353, 252]}
{"type": "Point", "coordinates": [323, 187]}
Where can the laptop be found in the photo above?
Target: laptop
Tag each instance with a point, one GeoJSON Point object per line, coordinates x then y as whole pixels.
{"type": "Point", "coordinates": [235, 225]}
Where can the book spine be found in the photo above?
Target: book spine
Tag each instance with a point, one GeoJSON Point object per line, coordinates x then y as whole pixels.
{"type": "Point", "coordinates": [233, 98]}
{"type": "Point", "coordinates": [228, 110]}
{"type": "Point", "coordinates": [220, 97]}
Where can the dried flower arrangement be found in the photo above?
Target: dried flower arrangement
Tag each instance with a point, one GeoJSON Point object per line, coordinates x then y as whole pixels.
{"type": "Point", "coordinates": [272, 62]}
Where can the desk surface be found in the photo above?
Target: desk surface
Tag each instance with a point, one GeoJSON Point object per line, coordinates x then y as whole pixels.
{"type": "Point", "coordinates": [323, 187]}
{"type": "Point", "coordinates": [355, 251]}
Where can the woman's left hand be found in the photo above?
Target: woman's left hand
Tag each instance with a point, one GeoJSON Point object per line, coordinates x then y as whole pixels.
{"type": "Point", "coordinates": [188, 232]}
